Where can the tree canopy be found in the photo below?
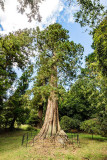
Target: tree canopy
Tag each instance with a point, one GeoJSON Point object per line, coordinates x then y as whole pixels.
{"type": "Point", "coordinates": [100, 45]}
{"type": "Point", "coordinates": [15, 50]}
{"type": "Point", "coordinates": [55, 49]}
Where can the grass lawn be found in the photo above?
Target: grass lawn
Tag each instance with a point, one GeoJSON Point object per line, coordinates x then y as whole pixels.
{"type": "Point", "coordinates": [88, 149]}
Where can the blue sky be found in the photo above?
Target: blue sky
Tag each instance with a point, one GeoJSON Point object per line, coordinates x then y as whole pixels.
{"type": "Point", "coordinates": [1, 27]}
{"type": "Point", "coordinates": [79, 35]}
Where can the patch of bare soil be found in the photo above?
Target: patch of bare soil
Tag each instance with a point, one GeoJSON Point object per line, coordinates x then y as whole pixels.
{"type": "Point", "coordinates": [49, 148]}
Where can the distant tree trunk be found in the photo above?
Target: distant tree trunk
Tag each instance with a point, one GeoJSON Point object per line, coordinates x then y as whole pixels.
{"type": "Point", "coordinates": [51, 123]}
{"type": "Point", "coordinates": [12, 124]}
{"type": "Point", "coordinates": [40, 113]}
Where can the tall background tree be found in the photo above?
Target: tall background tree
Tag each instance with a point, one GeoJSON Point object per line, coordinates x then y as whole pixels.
{"type": "Point", "coordinates": [16, 50]}
{"type": "Point", "coordinates": [100, 46]}
{"type": "Point", "coordinates": [15, 109]}
{"type": "Point", "coordinates": [96, 68]}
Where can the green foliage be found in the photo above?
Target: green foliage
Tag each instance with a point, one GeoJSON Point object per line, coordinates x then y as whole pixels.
{"type": "Point", "coordinates": [90, 12]}
{"type": "Point", "coordinates": [33, 118]}
{"type": "Point", "coordinates": [75, 123]}
{"type": "Point", "coordinates": [68, 123]}
{"type": "Point", "coordinates": [102, 117]}
{"type": "Point", "coordinates": [40, 93]}
{"type": "Point", "coordinates": [15, 108]}
{"type": "Point", "coordinates": [65, 123]}
{"type": "Point", "coordinates": [96, 69]}
{"type": "Point", "coordinates": [15, 49]}
{"type": "Point", "coordinates": [56, 50]}
{"type": "Point", "coordinates": [80, 102]}
{"type": "Point", "coordinates": [90, 126]}
{"type": "Point", "coordinates": [96, 62]}
{"type": "Point", "coordinates": [100, 45]}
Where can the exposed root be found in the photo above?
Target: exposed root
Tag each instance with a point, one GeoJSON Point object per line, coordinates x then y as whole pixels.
{"type": "Point", "coordinates": [60, 139]}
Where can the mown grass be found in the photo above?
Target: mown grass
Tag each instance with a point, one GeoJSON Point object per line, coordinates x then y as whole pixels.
{"type": "Point", "coordinates": [11, 144]}
{"type": "Point", "coordinates": [11, 148]}
{"type": "Point", "coordinates": [95, 149]}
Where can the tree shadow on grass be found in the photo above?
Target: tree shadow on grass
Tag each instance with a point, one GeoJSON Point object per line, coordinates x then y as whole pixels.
{"type": "Point", "coordinates": [13, 140]}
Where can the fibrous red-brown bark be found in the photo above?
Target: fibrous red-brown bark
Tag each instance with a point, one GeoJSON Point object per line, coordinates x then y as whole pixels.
{"type": "Point", "coordinates": [51, 123]}
{"type": "Point", "coordinates": [51, 126]}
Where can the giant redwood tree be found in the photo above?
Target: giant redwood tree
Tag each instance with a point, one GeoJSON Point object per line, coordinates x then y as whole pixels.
{"type": "Point", "coordinates": [58, 61]}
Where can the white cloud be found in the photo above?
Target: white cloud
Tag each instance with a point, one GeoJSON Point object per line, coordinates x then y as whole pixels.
{"type": "Point", "coordinates": [50, 8]}
{"type": "Point", "coordinates": [11, 20]}
{"type": "Point", "coordinates": [70, 12]}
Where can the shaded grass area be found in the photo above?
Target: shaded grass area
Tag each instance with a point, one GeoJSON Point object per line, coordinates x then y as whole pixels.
{"type": "Point", "coordinates": [11, 144]}
{"type": "Point", "coordinates": [11, 148]}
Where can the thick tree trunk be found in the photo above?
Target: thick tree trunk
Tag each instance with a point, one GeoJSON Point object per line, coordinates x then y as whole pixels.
{"type": "Point", "coordinates": [51, 123]}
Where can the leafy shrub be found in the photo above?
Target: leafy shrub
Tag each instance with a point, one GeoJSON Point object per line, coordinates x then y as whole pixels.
{"type": "Point", "coordinates": [102, 117]}
{"type": "Point", "coordinates": [75, 123]}
{"type": "Point", "coordinates": [90, 126]}
{"type": "Point", "coordinates": [68, 123]}
{"type": "Point", "coordinates": [65, 123]}
{"type": "Point", "coordinates": [33, 120]}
